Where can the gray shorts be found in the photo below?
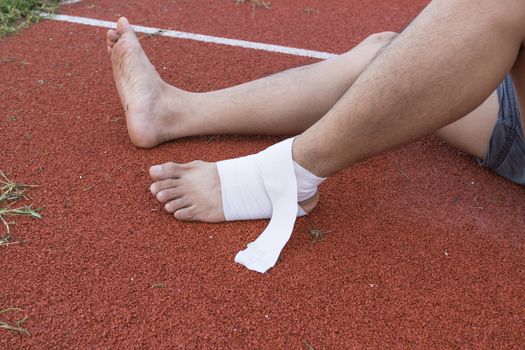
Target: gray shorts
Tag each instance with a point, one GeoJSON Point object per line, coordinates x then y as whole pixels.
{"type": "Point", "coordinates": [506, 154]}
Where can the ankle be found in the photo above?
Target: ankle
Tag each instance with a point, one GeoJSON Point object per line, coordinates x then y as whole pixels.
{"type": "Point", "coordinates": [181, 111]}
{"type": "Point", "coordinates": [309, 204]}
{"type": "Point", "coordinates": [306, 183]}
{"type": "Point", "coordinates": [308, 157]}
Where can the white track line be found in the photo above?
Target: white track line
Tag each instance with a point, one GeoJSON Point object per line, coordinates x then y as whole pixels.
{"type": "Point", "coordinates": [196, 37]}
{"type": "Point", "coordinates": [69, 2]}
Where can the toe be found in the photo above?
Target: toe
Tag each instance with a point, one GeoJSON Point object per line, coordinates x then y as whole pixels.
{"type": "Point", "coordinates": [123, 26]}
{"type": "Point", "coordinates": [185, 214]}
{"type": "Point", "coordinates": [169, 194]}
{"type": "Point", "coordinates": [175, 205]}
{"type": "Point", "coordinates": [112, 35]}
{"type": "Point", "coordinates": [165, 171]}
{"type": "Point", "coordinates": [110, 43]}
{"type": "Point", "coordinates": [158, 186]}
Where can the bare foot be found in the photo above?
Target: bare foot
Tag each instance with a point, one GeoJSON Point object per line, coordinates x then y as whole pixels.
{"type": "Point", "coordinates": [192, 191]}
{"type": "Point", "coordinates": [151, 106]}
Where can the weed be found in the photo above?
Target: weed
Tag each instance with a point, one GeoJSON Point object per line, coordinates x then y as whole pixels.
{"type": "Point", "coordinates": [115, 119]}
{"type": "Point", "coordinates": [16, 15]}
{"type": "Point", "coordinates": [308, 346]}
{"type": "Point", "coordinates": [310, 11]}
{"type": "Point", "coordinates": [316, 233]}
{"type": "Point", "coordinates": [5, 240]}
{"type": "Point", "coordinates": [478, 204]}
{"type": "Point", "coordinates": [17, 327]}
{"type": "Point", "coordinates": [401, 171]}
{"type": "Point", "coordinates": [255, 4]}
{"type": "Point", "coordinates": [10, 193]}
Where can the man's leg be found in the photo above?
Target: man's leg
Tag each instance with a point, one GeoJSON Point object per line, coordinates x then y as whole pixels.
{"type": "Point", "coordinates": [472, 133]}
{"type": "Point", "coordinates": [445, 64]}
{"type": "Point", "coordinates": [449, 60]}
{"type": "Point", "coordinates": [283, 104]}
{"type": "Point", "coordinates": [506, 153]}
{"type": "Point", "coordinates": [518, 77]}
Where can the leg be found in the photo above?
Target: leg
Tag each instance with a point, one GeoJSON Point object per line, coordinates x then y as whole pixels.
{"type": "Point", "coordinates": [157, 112]}
{"type": "Point", "coordinates": [472, 133]}
{"type": "Point", "coordinates": [442, 66]}
{"type": "Point", "coordinates": [406, 92]}
{"type": "Point", "coordinates": [399, 98]}
{"type": "Point", "coordinates": [506, 153]}
{"type": "Point", "coordinates": [518, 77]}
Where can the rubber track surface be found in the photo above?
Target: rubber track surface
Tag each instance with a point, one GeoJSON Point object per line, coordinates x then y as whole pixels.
{"type": "Point", "coordinates": [425, 249]}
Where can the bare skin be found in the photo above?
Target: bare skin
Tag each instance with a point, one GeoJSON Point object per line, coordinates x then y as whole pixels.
{"type": "Point", "coordinates": [185, 188]}
{"type": "Point", "coordinates": [147, 100]}
{"type": "Point", "coordinates": [157, 112]}
{"type": "Point", "coordinates": [424, 93]}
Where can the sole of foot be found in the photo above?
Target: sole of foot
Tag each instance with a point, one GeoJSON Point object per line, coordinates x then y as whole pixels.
{"type": "Point", "coordinates": [153, 108]}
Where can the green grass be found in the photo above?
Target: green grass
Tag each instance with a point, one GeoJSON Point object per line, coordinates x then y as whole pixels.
{"type": "Point", "coordinates": [16, 15]}
{"type": "Point", "coordinates": [11, 193]}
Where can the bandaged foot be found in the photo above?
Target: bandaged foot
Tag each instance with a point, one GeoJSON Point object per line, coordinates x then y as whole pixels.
{"type": "Point", "coordinates": [266, 185]}
{"type": "Point", "coordinates": [260, 186]}
{"type": "Point", "coordinates": [244, 195]}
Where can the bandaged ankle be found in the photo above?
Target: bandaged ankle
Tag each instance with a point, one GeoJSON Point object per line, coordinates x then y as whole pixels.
{"type": "Point", "coordinates": [306, 182]}
{"type": "Point", "coordinates": [244, 196]}
{"type": "Point", "coordinates": [267, 184]}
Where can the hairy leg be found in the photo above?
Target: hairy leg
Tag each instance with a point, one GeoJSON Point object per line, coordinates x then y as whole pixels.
{"type": "Point", "coordinates": [449, 60]}
{"type": "Point", "coordinates": [440, 69]}
{"type": "Point", "coordinates": [281, 104]}
{"type": "Point", "coordinates": [289, 102]}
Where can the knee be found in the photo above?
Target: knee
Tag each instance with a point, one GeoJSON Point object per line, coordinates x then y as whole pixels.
{"type": "Point", "coordinates": [381, 39]}
{"type": "Point", "coordinates": [370, 47]}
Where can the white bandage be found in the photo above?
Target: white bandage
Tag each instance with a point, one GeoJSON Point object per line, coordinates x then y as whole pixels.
{"type": "Point", "coordinates": [263, 185]}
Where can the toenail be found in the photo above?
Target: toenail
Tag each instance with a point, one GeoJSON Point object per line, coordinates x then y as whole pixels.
{"type": "Point", "coordinates": [152, 189]}
{"type": "Point", "coordinates": [155, 169]}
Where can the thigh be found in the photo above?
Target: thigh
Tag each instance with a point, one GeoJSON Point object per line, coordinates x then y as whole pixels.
{"type": "Point", "coordinates": [498, 142]}
{"type": "Point", "coordinates": [472, 133]}
{"type": "Point", "coordinates": [518, 77]}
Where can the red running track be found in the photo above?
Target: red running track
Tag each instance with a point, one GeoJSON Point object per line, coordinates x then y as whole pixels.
{"type": "Point", "coordinates": [426, 249]}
